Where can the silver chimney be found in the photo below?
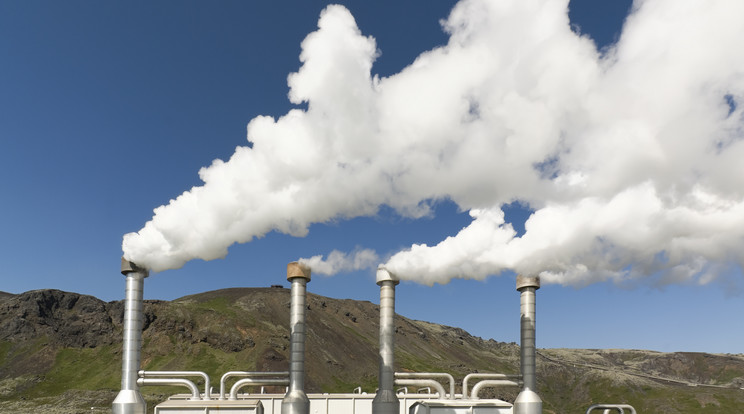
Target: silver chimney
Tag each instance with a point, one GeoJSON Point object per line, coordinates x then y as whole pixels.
{"type": "Point", "coordinates": [527, 402]}
{"type": "Point", "coordinates": [129, 400]}
{"type": "Point", "coordinates": [386, 402]}
{"type": "Point", "coordinates": [296, 401]}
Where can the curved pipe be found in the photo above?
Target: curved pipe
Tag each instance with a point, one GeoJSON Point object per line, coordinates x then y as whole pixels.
{"type": "Point", "coordinates": [430, 375]}
{"type": "Point", "coordinates": [145, 374]}
{"type": "Point", "coordinates": [255, 381]}
{"type": "Point", "coordinates": [492, 384]}
{"type": "Point", "coordinates": [619, 407]}
{"type": "Point", "coordinates": [249, 374]}
{"type": "Point", "coordinates": [483, 375]}
{"type": "Point", "coordinates": [173, 381]}
{"type": "Point", "coordinates": [423, 383]}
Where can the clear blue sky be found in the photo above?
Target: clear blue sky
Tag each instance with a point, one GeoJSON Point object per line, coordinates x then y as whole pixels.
{"type": "Point", "coordinates": [109, 109]}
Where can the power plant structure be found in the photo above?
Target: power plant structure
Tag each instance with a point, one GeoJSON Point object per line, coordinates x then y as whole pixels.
{"type": "Point", "coordinates": [386, 400]}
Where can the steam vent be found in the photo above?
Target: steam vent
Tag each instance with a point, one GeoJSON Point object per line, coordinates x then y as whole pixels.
{"type": "Point", "coordinates": [391, 397]}
{"type": "Point", "coordinates": [129, 400]}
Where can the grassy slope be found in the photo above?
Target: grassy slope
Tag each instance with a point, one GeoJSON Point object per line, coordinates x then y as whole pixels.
{"type": "Point", "coordinates": [246, 330]}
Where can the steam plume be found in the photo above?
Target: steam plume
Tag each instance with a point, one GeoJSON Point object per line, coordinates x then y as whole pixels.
{"type": "Point", "coordinates": [631, 159]}
{"type": "Point", "coordinates": [338, 261]}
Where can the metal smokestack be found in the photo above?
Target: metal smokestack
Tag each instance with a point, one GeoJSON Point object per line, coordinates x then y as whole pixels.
{"type": "Point", "coordinates": [296, 401]}
{"type": "Point", "coordinates": [386, 402]}
{"type": "Point", "coordinates": [129, 400]}
{"type": "Point", "coordinates": [527, 402]}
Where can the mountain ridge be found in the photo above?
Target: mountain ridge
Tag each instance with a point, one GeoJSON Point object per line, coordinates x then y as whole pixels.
{"type": "Point", "coordinates": [65, 346]}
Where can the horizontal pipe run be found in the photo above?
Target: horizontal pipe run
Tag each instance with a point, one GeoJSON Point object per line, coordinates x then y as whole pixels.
{"type": "Point", "coordinates": [161, 374]}
{"type": "Point", "coordinates": [492, 383]}
{"type": "Point", "coordinates": [172, 381]}
{"type": "Point", "coordinates": [249, 374]}
{"type": "Point", "coordinates": [255, 381]}
{"type": "Point", "coordinates": [430, 375]}
{"type": "Point", "coordinates": [484, 375]}
{"type": "Point", "coordinates": [423, 383]}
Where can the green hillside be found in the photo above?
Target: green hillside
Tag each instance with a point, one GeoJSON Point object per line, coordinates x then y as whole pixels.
{"type": "Point", "coordinates": [60, 352]}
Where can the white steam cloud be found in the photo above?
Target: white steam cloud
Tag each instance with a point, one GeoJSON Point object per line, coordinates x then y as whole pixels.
{"type": "Point", "coordinates": [341, 262]}
{"type": "Point", "coordinates": [631, 160]}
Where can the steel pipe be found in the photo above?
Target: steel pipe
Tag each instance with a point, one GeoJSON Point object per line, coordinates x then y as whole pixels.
{"type": "Point", "coordinates": [492, 383]}
{"type": "Point", "coordinates": [431, 375]}
{"type": "Point", "coordinates": [255, 381]}
{"type": "Point", "coordinates": [527, 402]}
{"type": "Point", "coordinates": [129, 400]}
{"type": "Point", "coordinates": [173, 381]}
{"type": "Point", "coordinates": [250, 374]}
{"type": "Point", "coordinates": [161, 374]}
{"type": "Point", "coordinates": [385, 401]}
{"type": "Point", "coordinates": [296, 401]}
{"type": "Point", "coordinates": [607, 407]}
{"type": "Point", "coordinates": [483, 375]}
{"type": "Point", "coordinates": [422, 383]}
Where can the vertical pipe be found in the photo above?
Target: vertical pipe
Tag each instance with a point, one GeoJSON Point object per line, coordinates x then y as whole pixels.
{"type": "Point", "coordinates": [129, 400]}
{"type": "Point", "coordinates": [296, 401]}
{"type": "Point", "coordinates": [527, 402]}
{"type": "Point", "coordinates": [386, 402]}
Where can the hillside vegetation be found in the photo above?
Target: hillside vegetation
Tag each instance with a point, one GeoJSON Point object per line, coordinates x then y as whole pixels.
{"type": "Point", "coordinates": [60, 352]}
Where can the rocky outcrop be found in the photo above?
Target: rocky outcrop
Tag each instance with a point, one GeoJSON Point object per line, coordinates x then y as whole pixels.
{"type": "Point", "coordinates": [65, 319]}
